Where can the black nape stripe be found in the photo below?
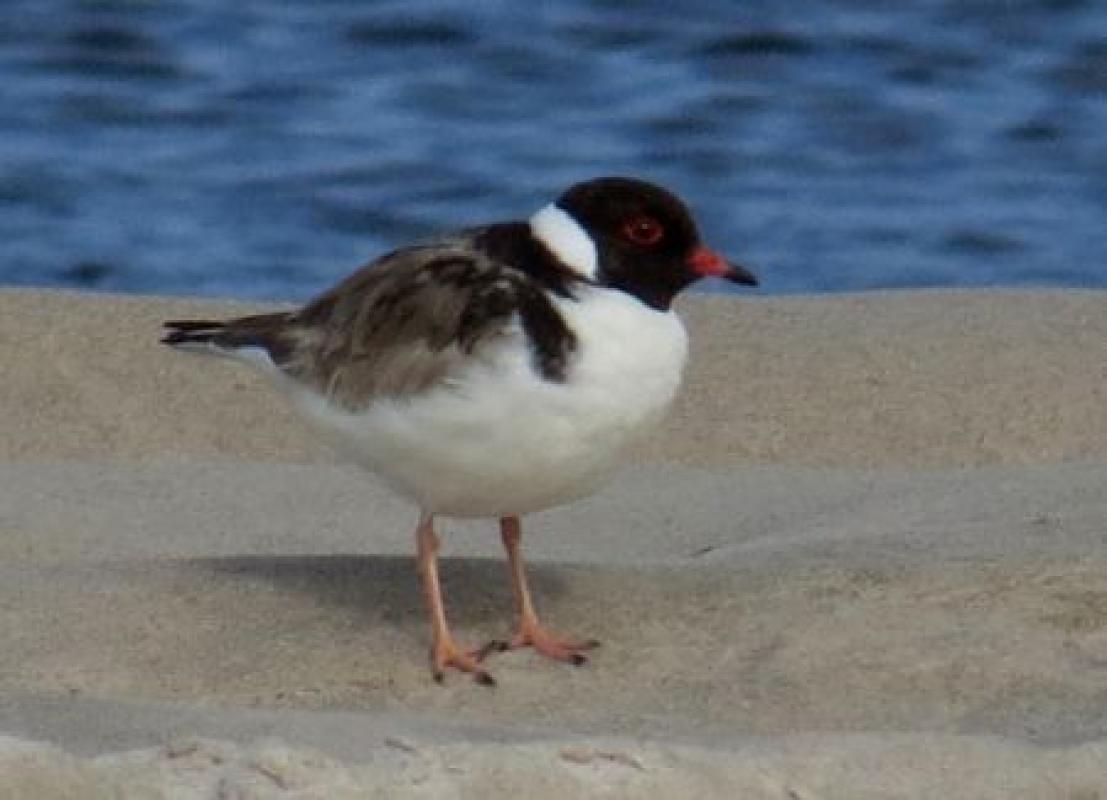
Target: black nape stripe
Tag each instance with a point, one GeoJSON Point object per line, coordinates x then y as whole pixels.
{"type": "Point", "coordinates": [512, 243]}
{"type": "Point", "coordinates": [537, 271]}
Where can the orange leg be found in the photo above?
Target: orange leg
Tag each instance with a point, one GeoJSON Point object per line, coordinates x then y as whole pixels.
{"type": "Point", "coordinates": [530, 632]}
{"type": "Point", "coordinates": [445, 652]}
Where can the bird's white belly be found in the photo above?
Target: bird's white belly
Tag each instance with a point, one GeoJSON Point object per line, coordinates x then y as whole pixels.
{"type": "Point", "coordinates": [499, 439]}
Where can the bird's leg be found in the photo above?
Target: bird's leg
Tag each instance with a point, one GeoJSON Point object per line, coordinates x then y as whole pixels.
{"type": "Point", "coordinates": [530, 632]}
{"type": "Point", "coordinates": [445, 652]}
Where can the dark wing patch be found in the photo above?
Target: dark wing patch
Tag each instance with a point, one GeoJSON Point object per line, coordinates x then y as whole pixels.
{"type": "Point", "coordinates": [551, 340]}
{"type": "Point", "coordinates": [407, 323]}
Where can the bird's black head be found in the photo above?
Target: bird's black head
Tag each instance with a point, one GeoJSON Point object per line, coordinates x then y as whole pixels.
{"type": "Point", "coordinates": [646, 241]}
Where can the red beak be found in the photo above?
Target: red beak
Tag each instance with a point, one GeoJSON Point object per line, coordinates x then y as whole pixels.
{"type": "Point", "coordinates": [708, 263]}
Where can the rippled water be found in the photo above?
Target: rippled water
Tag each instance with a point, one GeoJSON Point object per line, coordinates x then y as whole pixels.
{"type": "Point", "coordinates": [265, 148]}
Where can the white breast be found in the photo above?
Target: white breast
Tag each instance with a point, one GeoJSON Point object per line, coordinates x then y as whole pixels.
{"type": "Point", "coordinates": [501, 440]}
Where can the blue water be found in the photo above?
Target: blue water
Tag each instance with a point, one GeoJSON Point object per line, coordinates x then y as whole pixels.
{"type": "Point", "coordinates": [263, 149]}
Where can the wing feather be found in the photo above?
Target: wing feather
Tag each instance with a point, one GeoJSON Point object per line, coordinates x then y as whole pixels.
{"type": "Point", "coordinates": [399, 326]}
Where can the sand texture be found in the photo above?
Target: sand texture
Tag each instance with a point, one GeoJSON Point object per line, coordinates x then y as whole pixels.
{"type": "Point", "coordinates": [865, 558]}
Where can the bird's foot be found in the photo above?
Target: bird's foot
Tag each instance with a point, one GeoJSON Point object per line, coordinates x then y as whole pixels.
{"type": "Point", "coordinates": [551, 645]}
{"type": "Point", "coordinates": [447, 654]}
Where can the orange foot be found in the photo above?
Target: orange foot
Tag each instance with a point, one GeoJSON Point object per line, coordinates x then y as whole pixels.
{"type": "Point", "coordinates": [447, 654]}
{"type": "Point", "coordinates": [531, 634]}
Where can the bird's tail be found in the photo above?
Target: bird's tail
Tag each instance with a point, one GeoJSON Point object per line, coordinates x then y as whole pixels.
{"type": "Point", "coordinates": [247, 338]}
{"type": "Point", "coordinates": [184, 332]}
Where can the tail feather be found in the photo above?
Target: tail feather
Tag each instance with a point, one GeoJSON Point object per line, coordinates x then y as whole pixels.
{"type": "Point", "coordinates": [194, 324]}
{"type": "Point", "coordinates": [191, 331]}
{"type": "Point", "coordinates": [244, 336]}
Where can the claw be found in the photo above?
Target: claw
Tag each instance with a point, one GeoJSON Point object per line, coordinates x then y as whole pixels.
{"type": "Point", "coordinates": [531, 634]}
{"type": "Point", "coordinates": [446, 654]}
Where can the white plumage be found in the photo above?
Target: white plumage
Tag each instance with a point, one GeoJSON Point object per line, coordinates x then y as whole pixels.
{"type": "Point", "coordinates": [500, 440]}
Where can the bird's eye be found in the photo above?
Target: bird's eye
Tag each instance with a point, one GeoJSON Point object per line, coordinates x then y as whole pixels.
{"type": "Point", "coordinates": [643, 231]}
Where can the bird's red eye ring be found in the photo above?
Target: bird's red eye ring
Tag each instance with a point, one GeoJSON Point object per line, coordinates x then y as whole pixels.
{"type": "Point", "coordinates": [643, 231]}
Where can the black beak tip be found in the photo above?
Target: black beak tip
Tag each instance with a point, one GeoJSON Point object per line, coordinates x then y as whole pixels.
{"type": "Point", "coordinates": [741, 275]}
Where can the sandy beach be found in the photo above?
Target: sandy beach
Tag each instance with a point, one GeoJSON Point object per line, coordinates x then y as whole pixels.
{"type": "Point", "coordinates": [864, 559]}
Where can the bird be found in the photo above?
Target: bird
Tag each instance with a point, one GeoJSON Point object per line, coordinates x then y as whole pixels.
{"type": "Point", "coordinates": [494, 371]}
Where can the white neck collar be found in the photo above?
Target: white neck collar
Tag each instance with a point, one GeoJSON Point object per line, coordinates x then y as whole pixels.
{"type": "Point", "coordinates": [566, 239]}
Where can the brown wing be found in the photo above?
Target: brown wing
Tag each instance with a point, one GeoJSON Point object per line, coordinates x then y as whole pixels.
{"type": "Point", "coordinates": [399, 326]}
